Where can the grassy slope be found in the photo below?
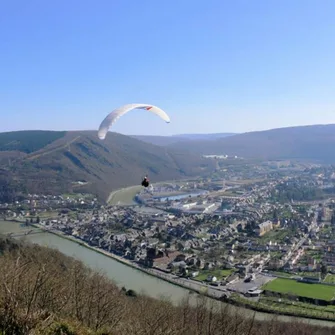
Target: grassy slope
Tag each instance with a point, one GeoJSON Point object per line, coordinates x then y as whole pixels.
{"type": "Point", "coordinates": [124, 196]}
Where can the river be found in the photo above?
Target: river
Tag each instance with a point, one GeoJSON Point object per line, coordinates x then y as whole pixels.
{"type": "Point", "coordinates": [179, 196]}
{"type": "Point", "coordinates": [121, 274]}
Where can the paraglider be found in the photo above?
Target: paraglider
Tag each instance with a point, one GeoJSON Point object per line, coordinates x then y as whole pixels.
{"type": "Point", "coordinates": [117, 113]}
{"type": "Point", "coordinates": [145, 181]}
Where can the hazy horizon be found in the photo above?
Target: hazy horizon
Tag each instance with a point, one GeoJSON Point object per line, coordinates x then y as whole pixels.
{"type": "Point", "coordinates": [214, 68]}
{"type": "Point", "coordinates": [183, 133]}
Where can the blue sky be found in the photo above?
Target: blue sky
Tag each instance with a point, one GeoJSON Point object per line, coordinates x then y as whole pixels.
{"type": "Point", "coordinates": [213, 66]}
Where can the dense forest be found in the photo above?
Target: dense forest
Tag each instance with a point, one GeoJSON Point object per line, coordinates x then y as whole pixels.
{"type": "Point", "coordinates": [28, 141]}
{"type": "Point", "coordinates": [44, 292]}
{"type": "Point", "coordinates": [10, 190]}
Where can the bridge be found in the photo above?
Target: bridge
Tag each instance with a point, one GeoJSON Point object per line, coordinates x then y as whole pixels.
{"type": "Point", "coordinates": [29, 231]}
{"type": "Point", "coordinates": [23, 233]}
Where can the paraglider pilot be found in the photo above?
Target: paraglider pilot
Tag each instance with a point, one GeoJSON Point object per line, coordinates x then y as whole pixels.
{"type": "Point", "coordinates": [145, 181]}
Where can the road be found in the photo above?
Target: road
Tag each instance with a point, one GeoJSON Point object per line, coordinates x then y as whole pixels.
{"type": "Point", "coordinates": [212, 291]}
{"type": "Point", "coordinates": [242, 287]}
{"type": "Point", "coordinates": [301, 241]}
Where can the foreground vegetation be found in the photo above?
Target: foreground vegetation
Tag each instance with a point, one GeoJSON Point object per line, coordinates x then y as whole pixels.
{"type": "Point", "coordinates": [44, 292]}
{"type": "Point", "coordinates": [288, 307]}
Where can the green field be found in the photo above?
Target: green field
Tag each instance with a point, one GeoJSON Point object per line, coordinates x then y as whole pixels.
{"type": "Point", "coordinates": [48, 214]}
{"type": "Point", "coordinates": [274, 235]}
{"type": "Point", "coordinates": [315, 291]}
{"type": "Point", "coordinates": [124, 196]}
{"type": "Point", "coordinates": [219, 274]}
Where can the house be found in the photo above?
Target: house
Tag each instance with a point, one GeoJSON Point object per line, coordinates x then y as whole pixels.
{"type": "Point", "coordinates": [211, 279]}
{"type": "Point", "coordinates": [276, 224]}
{"type": "Point", "coordinates": [208, 266]}
{"type": "Point", "coordinates": [264, 228]}
{"type": "Point", "coordinates": [180, 257]}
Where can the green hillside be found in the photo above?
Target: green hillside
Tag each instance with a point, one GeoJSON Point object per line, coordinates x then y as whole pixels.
{"type": "Point", "coordinates": [55, 166]}
{"type": "Point", "coordinates": [313, 143]}
{"type": "Point", "coordinates": [29, 140]}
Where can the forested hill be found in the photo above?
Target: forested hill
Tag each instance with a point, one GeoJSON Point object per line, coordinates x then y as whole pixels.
{"type": "Point", "coordinates": [312, 143]}
{"type": "Point", "coordinates": [52, 162]}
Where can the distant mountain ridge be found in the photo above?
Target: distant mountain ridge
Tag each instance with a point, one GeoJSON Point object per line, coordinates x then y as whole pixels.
{"type": "Point", "coordinates": [167, 140]}
{"type": "Point", "coordinates": [51, 162]}
{"type": "Point", "coordinates": [315, 142]}
{"type": "Point", "coordinates": [209, 136]}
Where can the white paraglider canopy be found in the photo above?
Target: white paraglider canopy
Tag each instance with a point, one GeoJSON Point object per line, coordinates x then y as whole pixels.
{"type": "Point", "coordinates": [117, 113]}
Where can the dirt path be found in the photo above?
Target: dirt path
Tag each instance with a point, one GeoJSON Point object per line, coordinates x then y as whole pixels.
{"type": "Point", "coordinates": [52, 150]}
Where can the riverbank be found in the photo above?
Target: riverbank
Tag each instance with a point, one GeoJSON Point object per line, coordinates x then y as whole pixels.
{"type": "Point", "coordinates": [139, 281]}
{"type": "Point", "coordinates": [123, 196]}
{"type": "Point", "coordinates": [126, 196]}
{"type": "Point", "coordinates": [150, 272]}
{"type": "Point", "coordinates": [192, 286]}
{"type": "Point", "coordinates": [96, 249]}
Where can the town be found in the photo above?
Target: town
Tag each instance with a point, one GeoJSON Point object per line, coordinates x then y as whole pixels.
{"type": "Point", "coordinates": [257, 234]}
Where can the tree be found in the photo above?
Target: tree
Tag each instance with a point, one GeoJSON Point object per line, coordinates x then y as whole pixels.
{"type": "Point", "coordinates": [323, 270]}
{"type": "Point", "coordinates": [131, 293]}
{"type": "Point", "coordinates": [275, 215]}
{"type": "Point", "coordinates": [7, 190]}
{"type": "Point", "coordinates": [333, 219]}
